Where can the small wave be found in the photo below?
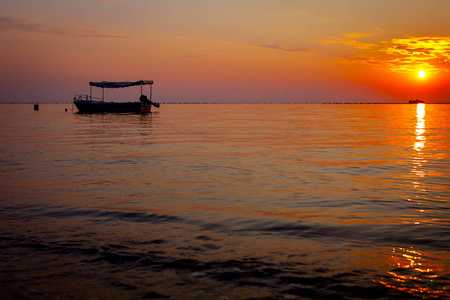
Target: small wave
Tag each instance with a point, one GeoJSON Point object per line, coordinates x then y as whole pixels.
{"type": "Point", "coordinates": [151, 259]}
{"type": "Point", "coordinates": [398, 234]}
{"type": "Point", "coordinates": [103, 215]}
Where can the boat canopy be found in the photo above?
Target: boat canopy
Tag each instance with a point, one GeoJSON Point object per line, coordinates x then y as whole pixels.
{"type": "Point", "coordinates": [115, 85]}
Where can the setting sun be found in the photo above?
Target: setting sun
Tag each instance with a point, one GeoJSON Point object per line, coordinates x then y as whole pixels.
{"type": "Point", "coordinates": [202, 49]}
{"type": "Point", "coordinates": [422, 74]}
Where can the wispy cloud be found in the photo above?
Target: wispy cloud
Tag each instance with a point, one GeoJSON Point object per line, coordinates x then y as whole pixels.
{"type": "Point", "coordinates": [355, 35]}
{"type": "Point", "coordinates": [220, 42]}
{"type": "Point", "coordinates": [288, 49]}
{"type": "Point", "coordinates": [15, 25]}
{"type": "Point", "coordinates": [409, 54]}
{"type": "Point", "coordinates": [213, 55]}
{"type": "Point", "coordinates": [351, 40]}
{"type": "Point", "coordinates": [353, 43]}
{"type": "Point", "coordinates": [433, 47]}
{"type": "Point", "coordinates": [432, 53]}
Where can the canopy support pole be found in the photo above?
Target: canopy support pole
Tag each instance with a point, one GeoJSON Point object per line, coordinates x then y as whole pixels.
{"type": "Point", "coordinates": [151, 92]}
{"type": "Point", "coordinates": [90, 92]}
{"type": "Point", "coordinates": [103, 94]}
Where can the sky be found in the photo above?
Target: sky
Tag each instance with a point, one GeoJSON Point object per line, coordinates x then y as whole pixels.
{"type": "Point", "coordinates": [246, 51]}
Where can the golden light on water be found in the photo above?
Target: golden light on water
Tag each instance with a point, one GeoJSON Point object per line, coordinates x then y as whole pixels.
{"type": "Point", "coordinates": [419, 143]}
{"type": "Point", "coordinates": [414, 273]}
{"type": "Point", "coordinates": [420, 127]}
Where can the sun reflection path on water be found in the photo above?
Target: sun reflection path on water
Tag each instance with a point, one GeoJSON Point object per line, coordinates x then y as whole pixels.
{"type": "Point", "coordinates": [417, 273]}
{"type": "Point", "coordinates": [414, 271]}
{"type": "Point", "coordinates": [419, 146]}
{"type": "Point", "coordinates": [419, 143]}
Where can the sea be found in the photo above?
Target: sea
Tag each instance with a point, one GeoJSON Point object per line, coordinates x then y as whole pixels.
{"type": "Point", "coordinates": [226, 201]}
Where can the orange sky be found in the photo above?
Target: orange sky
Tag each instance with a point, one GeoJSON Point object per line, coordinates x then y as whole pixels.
{"type": "Point", "coordinates": [228, 51]}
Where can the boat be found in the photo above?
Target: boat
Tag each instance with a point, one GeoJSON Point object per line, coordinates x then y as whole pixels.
{"type": "Point", "coordinates": [89, 104]}
{"type": "Point", "coordinates": [416, 101]}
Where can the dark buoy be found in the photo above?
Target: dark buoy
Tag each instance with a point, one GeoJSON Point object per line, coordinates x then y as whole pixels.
{"type": "Point", "coordinates": [66, 109]}
{"type": "Point", "coordinates": [36, 107]}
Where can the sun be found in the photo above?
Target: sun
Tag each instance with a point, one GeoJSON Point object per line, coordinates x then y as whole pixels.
{"type": "Point", "coordinates": [421, 73]}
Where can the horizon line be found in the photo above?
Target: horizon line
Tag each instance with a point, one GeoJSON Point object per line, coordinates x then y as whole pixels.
{"type": "Point", "coordinates": [239, 103]}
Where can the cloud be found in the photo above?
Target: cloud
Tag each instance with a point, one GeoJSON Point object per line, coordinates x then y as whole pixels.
{"type": "Point", "coordinates": [15, 25]}
{"type": "Point", "coordinates": [288, 49]}
{"type": "Point", "coordinates": [350, 42]}
{"type": "Point", "coordinates": [409, 54]}
{"type": "Point", "coordinates": [420, 46]}
{"type": "Point", "coordinates": [421, 52]}
{"type": "Point", "coordinates": [356, 35]}
{"type": "Point", "coordinates": [214, 55]}
{"type": "Point", "coordinates": [219, 42]}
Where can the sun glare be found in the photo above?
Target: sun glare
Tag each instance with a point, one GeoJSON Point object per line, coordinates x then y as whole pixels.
{"type": "Point", "coordinates": [421, 73]}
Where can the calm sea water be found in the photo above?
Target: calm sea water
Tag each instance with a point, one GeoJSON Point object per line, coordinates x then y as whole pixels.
{"type": "Point", "coordinates": [226, 202]}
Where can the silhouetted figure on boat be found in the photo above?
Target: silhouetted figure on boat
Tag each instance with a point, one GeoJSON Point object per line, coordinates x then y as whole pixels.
{"type": "Point", "coordinates": [147, 102]}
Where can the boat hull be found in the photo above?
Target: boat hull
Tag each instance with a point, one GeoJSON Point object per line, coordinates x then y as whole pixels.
{"type": "Point", "coordinates": [85, 106]}
{"type": "Point", "coordinates": [416, 101]}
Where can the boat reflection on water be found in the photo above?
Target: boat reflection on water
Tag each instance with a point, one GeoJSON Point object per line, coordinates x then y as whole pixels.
{"type": "Point", "coordinates": [415, 272]}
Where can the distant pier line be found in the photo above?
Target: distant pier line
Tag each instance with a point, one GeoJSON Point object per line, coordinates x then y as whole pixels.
{"type": "Point", "coordinates": [270, 103]}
